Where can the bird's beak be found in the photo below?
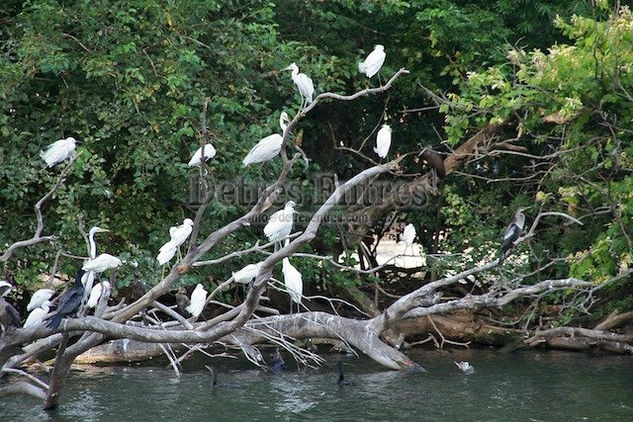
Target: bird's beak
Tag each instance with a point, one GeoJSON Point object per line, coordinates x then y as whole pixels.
{"type": "Point", "coordinates": [105, 230]}
{"type": "Point", "coordinates": [286, 68]}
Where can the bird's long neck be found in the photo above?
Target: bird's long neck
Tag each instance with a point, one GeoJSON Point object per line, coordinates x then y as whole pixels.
{"type": "Point", "coordinates": [93, 246]}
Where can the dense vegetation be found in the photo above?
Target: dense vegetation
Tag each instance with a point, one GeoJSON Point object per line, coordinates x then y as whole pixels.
{"type": "Point", "coordinates": [129, 79]}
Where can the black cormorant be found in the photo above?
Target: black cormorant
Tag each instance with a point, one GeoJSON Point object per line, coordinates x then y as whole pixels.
{"type": "Point", "coordinates": [69, 302]}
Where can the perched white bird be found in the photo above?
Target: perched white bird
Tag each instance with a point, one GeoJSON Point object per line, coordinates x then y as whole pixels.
{"type": "Point", "coordinates": [374, 61]}
{"type": "Point", "coordinates": [37, 315]}
{"type": "Point", "coordinates": [102, 263]}
{"type": "Point", "coordinates": [383, 141]}
{"type": "Point", "coordinates": [408, 236]}
{"type": "Point", "coordinates": [293, 282]}
{"type": "Point", "coordinates": [196, 159]}
{"type": "Point", "coordinates": [166, 253]}
{"type": "Point", "coordinates": [247, 274]}
{"type": "Point", "coordinates": [268, 147]}
{"type": "Point", "coordinates": [58, 151]}
{"type": "Point", "coordinates": [39, 297]}
{"type": "Point", "coordinates": [198, 297]}
{"type": "Point", "coordinates": [178, 235]}
{"type": "Point", "coordinates": [279, 225]}
{"type": "Point", "coordinates": [466, 367]}
{"type": "Point", "coordinates": [303, 82]}
{"type": "Point", "coordinates": [95, 293]}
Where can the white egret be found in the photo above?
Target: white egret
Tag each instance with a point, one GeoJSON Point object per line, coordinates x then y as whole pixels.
{"type": "Point", "coordinates": [196, 159]}
{"type": "Point", "coordinates": [37, 315]}
{"type": "Point", "coordinates": [513, 231]}
{"type": "Point", "coordinates": [166, 253]}
{"type": "Point", "coordinates": [293, 282]}
{"type": "Point", "coordinates": [268, 147]}
{"type": "Point", "coordinates": [178, 235]}
{"type": "Point", "coordinates": [102, 263]}
{"type": "Point", "coordinates": [303, 82]}
{"type": "Point", "coordinates": [383, 141]}
{"type": "Point", "coordinates": [58, 151]}
{"type": "Point", "coordinates": [247, 274]}
{"type": "Point", "coordinates": [374, 61]}
{"type": "Point", "coordinates": [198, 297]}
{"type": "Point", "coordinates": [279, 225]}
{"type": "Point", "coordinates": [95, 293]}
{"type": "Point", "coordinates": [408, 236]}
{"type": "Point", "coordinates": [89, 277]}
{"type": "Point", "coordinates": [39, 297]}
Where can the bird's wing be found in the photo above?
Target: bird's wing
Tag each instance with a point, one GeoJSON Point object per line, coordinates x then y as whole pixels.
{"type": "Point", "coordinates": [266, 149]}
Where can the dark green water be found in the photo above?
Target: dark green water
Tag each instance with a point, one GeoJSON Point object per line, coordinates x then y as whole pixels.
{"type": "Point", "coordinates": [527, 386]}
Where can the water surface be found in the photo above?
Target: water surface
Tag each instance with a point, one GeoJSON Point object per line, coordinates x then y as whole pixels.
{"type": "Point", "coordinates": [536, 386]}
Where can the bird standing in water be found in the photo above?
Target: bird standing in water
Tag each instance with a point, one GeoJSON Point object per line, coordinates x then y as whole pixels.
{"type": "Point", "coordinates": [341, 378]}
{"type": "Point", "coordinates": [69, 302]}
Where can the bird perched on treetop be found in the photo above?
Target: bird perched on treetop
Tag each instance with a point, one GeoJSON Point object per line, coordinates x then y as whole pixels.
{"type": "Point", "coordinates": [267, 148]}
{"type": "Point", "coordinates": [513, 231]}
{"type": "Point", "coordinates": [182, 300]}
{"type": "Point", "coordinates": [196, 159]}
{"type": "Point", "coordinates": [383, 141]}
{"type": "Point", "coordinates": [374, 61]}
{"type": "Point", "coordinates": [58, 151]}
{"type": "Point", "coordinates": [303, 82]}
{"type": "Point", "coordinates": [69, 302]}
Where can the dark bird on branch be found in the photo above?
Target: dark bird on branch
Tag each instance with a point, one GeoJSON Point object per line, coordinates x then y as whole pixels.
{"type": "Point", "coordinates": [341, 377]}
{"type": "Point", "coordinates": [182, 300]}
{"type": "Point", "coordinates": [434, 159]}
{"type": "Point", "coordinates": [512, 233]}
{"type": "Point", "coordinates": [9, 316]}
{"type": "Point", "coordinates": [69, 302]}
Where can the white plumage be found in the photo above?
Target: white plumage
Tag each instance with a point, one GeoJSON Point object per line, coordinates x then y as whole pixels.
{"type": "Point", "coordinates": [37, 315]}
{"type": "Point", "coordinates": [166, 253]}
{"type": "Point", "coordinates": [95, 294]}
{"type": "Point", "coordinates": [39, 297]}
{"type": "Point", "coordinates": [303, 82]}
{"type": "Point", "coordinates": [279, 225]}
{"type": "Point", "coordinates": [374, 61]}
{"type": "Point", "coordinates": [102, 263]}
{"type": "Point", "coordinates": [408, 234]}
{"type": "Point", "coordinates": [383, 141]}
{"type": "Point", "coordinates": [178, 235]}
{"type": "Point", "coordinates": [247, 274]}
{"type": "Point", "coordinates": [196, 159]}
{"type": "Point", "coordinates": [58, 151]}
{"type": "Point", "coordinates": [198, 298]}
{"type": "Point", "coordinates": [293, 282]}
{"type": "Point", "coordinates": [268, 147]}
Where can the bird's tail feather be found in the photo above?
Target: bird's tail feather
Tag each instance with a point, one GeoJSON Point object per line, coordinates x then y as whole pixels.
{"type": "Point", "coordinates": [54, 323]}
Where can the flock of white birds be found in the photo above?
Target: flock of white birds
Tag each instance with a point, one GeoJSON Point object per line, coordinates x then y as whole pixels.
{"type": "Point", "coordinates": [277, 230]}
